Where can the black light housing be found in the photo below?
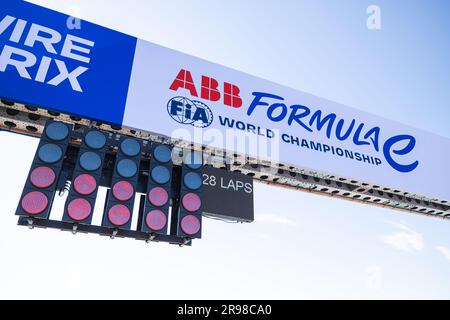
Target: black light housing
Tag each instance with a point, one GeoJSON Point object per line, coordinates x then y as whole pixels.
{"type": "Point", "coordinates": [119, 206]}
{"type": "Point", "coordinates": [40, 187]}
{"type": "Point", "coordinates": [157, 203]}
{"type": "Point", "coordinates": [86, 177]}
{"type": "Point", "coordinates": [190, 207]}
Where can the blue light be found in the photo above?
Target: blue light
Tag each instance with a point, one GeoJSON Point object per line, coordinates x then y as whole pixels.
{"type": "Point", "coordinates": [90, 161]}
{"type": "Point", "coordinates": [130, 147]}
{"type": "Point", "coordinates": [162, 154]}
{"type": "Point", "coordinates": [193, 160]}
{"type": "Point", "coordinates": [50, 153]}
{"type": "Point", "coordinates": [192, 180]}
{"type": "Point", "coordinates": [95, 140]}
{"type": "Point", "coordinates": [57, 131]}
{"type": "Point", "coordinates": [126, 168]}
{"type": "Point", "coordinates": [160, 175]}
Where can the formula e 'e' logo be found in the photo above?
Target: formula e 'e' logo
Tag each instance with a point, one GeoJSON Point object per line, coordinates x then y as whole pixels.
{"type": "Point", "coordinates": [192, 112]}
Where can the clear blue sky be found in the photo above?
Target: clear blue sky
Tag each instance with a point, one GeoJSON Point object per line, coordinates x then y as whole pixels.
{"type": "Point", "coordinates": [301, 245]}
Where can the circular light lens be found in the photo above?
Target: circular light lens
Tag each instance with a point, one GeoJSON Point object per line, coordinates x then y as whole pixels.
{"type": "Point", "coordinates": [119, 215]}
{"type": "Point", "coordinates": [162, 154]}
{"type": "Point", "coordinates": [42, 177]}
{"type": "Point", "coordinates": [130, 147]}
{"type": "Point", "coordinates": [90, 161]}
{"type": "Point", "coordinates": [190, 225]}
{"type": "Point", "coordinates": [34, 202]}
{"type": "Point", "coordinates": [79, 209]}
{"type": "Point", "coordinates": [57, 131]}
{"type": "Point", "coordinates": [95, 139]}
{"type": "Point", "coordinates": [192, 180]}
{"type": "Point", "coordinates": [193, 160]}
{"type": "Point", "coordinates": [126, 168]}
{"type": "Point", "coordinates": [85, 184]}
{"type": "Point", "coordinates": [50, 153]}
{"type": "Point", "coordinates": [123, 191]}
{"type": "Point", "coordinates": [158, 196]}
{"type": "Point", "coordinates": [160, 174]}
{"type": "Point", "coordinates": [156, 220]}
{"type": "Point", "coordinates": [191, 202]}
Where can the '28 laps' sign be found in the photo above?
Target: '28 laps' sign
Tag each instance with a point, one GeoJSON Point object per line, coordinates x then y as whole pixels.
{"type": "Point", "coordinates": [228, 195]}
{"type": "Point", "coordinates": [104, 75]}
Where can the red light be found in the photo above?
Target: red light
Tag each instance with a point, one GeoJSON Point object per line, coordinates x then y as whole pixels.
{"type": "Point", "coordinates": [85, 184]}
{"type": "Point", "coordinates": [119, 215]}
{"type": "Point", "coordinates": [191, 202]}
{"type": "Point", "coordinates": [123, 191]}
{"type": "Point", "coordinates": [190, 225]}
{"type": "Point", "coordinates": [79, 209]}
{"type": "Point", "coordinates": [158, 196]}
{"type": "Point", "coordinates": [42, 177]}
{"type": "Point", "coordinates": [34, 202]}
{"type": "Point", "coordinates": [156, 220]}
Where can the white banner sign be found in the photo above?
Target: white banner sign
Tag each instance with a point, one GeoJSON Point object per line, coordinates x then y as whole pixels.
{"type": "Point", "coordinates": [104, 75]}
{"type": "Point", "coordinates": [178, 95]}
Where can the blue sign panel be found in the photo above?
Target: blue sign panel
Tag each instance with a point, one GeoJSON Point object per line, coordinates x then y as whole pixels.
{"type": "Point", "coordinates": [84, 71]}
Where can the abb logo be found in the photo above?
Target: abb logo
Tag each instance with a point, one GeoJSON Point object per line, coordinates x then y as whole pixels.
{"type": "Point", "coordinates": [209, 89]}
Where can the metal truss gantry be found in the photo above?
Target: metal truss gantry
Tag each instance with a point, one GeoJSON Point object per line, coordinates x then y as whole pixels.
{"type": "Point", "coordinates": [27, 120]}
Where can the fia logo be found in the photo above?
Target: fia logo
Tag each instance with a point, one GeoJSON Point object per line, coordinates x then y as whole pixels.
{"type": "Point", "coordinates": [191, 112]}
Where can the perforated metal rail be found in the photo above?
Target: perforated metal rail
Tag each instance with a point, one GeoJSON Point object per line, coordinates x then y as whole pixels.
{"type": "Point", "coordinates": [19, 118]}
